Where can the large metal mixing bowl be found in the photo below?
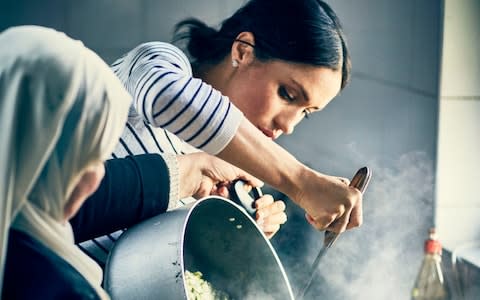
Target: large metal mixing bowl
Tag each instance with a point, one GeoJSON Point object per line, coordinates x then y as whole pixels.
{"type": "Point", "coordinates": [214, 236]}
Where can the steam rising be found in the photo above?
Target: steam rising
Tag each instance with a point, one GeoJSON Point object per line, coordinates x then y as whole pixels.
{"type": "Point", "coordinates": [379, 260]}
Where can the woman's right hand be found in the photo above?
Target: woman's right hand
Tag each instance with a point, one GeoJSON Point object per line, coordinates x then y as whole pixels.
{"type": "Point", "coordinates": [329, 202]}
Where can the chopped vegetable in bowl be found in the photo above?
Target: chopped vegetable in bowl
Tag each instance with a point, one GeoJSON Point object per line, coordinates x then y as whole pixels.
{"type": "Point", "coordinates": [200, 289]}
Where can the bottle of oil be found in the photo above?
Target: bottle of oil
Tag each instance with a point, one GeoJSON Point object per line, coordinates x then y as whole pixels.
{"type": "Point", "coordinates": [430, 283]}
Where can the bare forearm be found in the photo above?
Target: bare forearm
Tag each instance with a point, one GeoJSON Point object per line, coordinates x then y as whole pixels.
{"type": "Point", "coordinates": [326, 199]}
{"type": "Point", "coordinates": [252, 151]}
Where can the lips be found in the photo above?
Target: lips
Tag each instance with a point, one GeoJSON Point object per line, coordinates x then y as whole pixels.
{"type": "Point", "coordinates": [268, 133]}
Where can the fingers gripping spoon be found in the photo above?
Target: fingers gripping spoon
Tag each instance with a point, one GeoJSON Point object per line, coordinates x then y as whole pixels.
{"type": "Point", "coordinates": [359, 181]}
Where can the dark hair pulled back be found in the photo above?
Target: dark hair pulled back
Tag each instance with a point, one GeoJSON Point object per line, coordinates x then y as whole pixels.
{"type": "Point", "coordinates": [299, 31]}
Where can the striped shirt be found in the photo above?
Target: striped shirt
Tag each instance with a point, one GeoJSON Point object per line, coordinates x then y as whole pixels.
{"type": "Point", "coordinates": [159, 77]}
{"type": "Point", "coordinates": [172, 112]}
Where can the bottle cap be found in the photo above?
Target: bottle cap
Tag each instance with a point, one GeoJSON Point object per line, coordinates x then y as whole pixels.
{"type": "Point", "coordinates": [432, 244]}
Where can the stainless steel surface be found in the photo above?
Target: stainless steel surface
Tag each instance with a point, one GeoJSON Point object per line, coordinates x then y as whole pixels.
{"type": "Point", "coordinates": [360, 181]}
{"type": "Point", "coordinates": [214, 236]}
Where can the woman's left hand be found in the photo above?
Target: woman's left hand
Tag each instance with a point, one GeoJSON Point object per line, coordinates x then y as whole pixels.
{"type": "Point", "coordinates": [270, 214]}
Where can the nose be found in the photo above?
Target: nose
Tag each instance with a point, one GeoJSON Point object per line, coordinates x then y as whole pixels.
{"type": "Point", "coordinates": [289, 128]}
{"type": "Point", "coordinates": [286, 122]}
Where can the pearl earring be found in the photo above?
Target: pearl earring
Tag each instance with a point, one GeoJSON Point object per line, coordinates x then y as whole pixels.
{"type": "Point", "coordinates": [234, 63]}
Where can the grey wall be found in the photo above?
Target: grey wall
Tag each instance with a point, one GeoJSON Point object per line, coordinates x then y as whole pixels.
{"type": "Point", "coordinates": [112, 27]}
{"type": "Point", "coordinates": [386, 119]}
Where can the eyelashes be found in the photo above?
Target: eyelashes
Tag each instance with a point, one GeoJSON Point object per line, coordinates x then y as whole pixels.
{"type": "Point", "coordinates": [283, 93]}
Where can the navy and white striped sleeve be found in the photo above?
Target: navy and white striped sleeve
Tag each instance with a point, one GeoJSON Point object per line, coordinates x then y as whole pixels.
{"type": "Point", "coordinates": [159, 77]}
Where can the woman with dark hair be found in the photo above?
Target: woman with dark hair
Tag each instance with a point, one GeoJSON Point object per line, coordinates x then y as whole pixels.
{"type": "Point", "coordinates": [299, 32]}
{"type": "Point", "coordinates": [270, 65]}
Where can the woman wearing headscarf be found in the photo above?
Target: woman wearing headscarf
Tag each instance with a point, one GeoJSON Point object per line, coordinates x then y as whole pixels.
{"type": "Point", "coordinates": [58, 124]}
{"type": "Point", "coordinates": [62, 112]}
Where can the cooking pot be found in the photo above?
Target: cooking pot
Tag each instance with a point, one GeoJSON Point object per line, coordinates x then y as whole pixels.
{"type": "Point", "coordinates": [214, 236]}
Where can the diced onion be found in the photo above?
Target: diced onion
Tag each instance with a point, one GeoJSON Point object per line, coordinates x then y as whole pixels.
{"type": "Point", "coordinates": [199, 289]}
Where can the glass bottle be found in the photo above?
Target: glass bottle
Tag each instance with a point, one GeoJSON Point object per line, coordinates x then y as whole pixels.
{"type": "Point", "coordinates": [430, 283]}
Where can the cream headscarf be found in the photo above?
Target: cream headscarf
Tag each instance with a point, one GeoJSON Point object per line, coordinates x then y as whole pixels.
{"type": "Point", "coordinates": [61, 108]}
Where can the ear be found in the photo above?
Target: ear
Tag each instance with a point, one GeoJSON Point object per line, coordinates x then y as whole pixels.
{"type": "Point", "coordinates": [243, 51]}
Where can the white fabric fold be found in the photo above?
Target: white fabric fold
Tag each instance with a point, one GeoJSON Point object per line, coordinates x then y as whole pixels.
{"type": "Point", "coordinates": [61, 109]}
